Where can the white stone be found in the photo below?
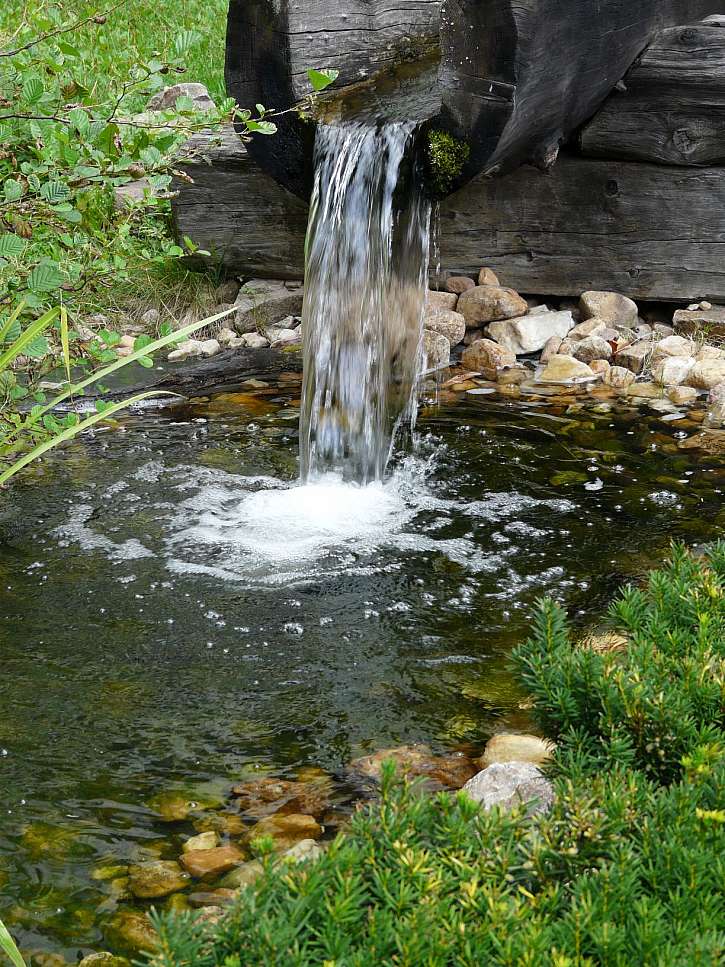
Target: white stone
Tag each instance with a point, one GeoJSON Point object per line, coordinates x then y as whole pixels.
{"type": "Point", "coordinates": [673, 370]}
{"type": "Point", "coordinates": [530, 333]}
{"type": "Point", "coordinates": [610, 307]}
{"type": "Point", "coordinates": [255, 340]}
{"type": "Point", "coordinates": [511, 784]}
{"type": "Point", "coordinates": [674, 346]}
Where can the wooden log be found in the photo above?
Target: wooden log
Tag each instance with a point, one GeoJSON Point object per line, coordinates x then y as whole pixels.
{"type": "Point", "coordinates": [513, 80]}
{"type": "Point", "coordinates": [672, 109]}
{"type": "Point", "coordinates": [649, 231]}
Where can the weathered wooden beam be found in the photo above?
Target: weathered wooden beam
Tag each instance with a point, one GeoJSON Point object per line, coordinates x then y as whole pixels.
{"type": "Point", "coordinates": [649, 231]}
{"type": "Point", "coordinates": [514, 79]}
{"type": "Point", "coordinates": [672, 107]}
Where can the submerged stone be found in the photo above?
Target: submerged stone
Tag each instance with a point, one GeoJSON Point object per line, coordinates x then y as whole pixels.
{"type": "Point", "coordinates": [286, 830]}
{"type": "Point", "coordinates": [210, 863]}
{"type": "Point", "coordinates": [132, 930]}
{"type": "Point", "coordinates": [417, 761]}
{"type": "Point", "coordinates": [207, 840]}
{"type": "Point", "coordinates": [243, 875]}
{"type": "Point", "coordinates": [262, 797]}
{"type": "Point", "coordinates": [159, 878]}
{"type": "Point", "coordinates": [103, 959]}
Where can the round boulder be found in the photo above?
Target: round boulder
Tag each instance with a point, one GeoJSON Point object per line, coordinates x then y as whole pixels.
{"type": "Point", "coordinates": [490, 303]}
{"type": "Point", "coordinates": [448, 323]}
{"type": "Point", "coordinates": [611, 307]}
{"type": "Point", "coordinates": [511, 784]}
{"type": "Point", "coordinates": [487, 357]}
{"type": "Point", "coordinates": [591, 348]}
{"type": "Point", "coordinates": [458, 284]}
{"type": "Point", "coordinates": [707, 374]}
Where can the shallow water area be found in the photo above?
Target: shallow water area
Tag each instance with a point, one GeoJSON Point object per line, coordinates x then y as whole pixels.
{"type": "Point", "coordinates": [178, 614]}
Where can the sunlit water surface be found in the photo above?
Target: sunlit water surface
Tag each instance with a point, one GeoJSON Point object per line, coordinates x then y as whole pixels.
{"type": "Point", "coordinates": [176, 612]}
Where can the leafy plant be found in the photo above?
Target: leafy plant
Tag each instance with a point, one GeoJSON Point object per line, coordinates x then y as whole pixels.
{"type": "Point", "coordinates": [627, 868]}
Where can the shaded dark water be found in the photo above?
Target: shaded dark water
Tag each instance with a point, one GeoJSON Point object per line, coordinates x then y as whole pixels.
{"type": "Point", "coordinates": [175, 615]}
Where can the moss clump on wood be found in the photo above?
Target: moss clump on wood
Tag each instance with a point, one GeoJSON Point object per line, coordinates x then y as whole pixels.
{"type": "Point", "coordinates": [626, 869]}
{"type": "Point", "coordinates": [447, 157]}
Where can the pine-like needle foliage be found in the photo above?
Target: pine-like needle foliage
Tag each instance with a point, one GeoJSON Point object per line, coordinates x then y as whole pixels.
{"type": "Point", "coordinates": [628, 868]}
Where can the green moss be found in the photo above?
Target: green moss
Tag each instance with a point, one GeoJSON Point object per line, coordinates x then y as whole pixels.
{"type": "Point", "coordinates": [446, 159]}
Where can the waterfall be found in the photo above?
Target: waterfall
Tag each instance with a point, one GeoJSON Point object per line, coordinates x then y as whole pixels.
{"type": "Point", "coordinates": [365, 283]}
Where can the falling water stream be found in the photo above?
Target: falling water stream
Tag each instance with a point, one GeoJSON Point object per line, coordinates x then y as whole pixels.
{"type": "Point", "coordinates": [367, 266]}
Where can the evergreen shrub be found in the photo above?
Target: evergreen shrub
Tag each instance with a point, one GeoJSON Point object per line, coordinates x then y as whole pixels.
{"type": "Point", "coordinates": [627, 869]}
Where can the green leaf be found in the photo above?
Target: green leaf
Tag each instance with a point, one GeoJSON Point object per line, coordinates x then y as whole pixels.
{"type": "Point", "coordinates": [322, 79]}
{"type": "Point", "coordinates": [13, 189]}
{"type": "Point", "coordinates": [151, 157]}
{"type": "Point", "coordinates": [146, 362]}
{"type": "Point", "coordinates": [45, 277]}
{"type": "Point", "coordinates": [18, 393]}
{"type": "Point", "coordinates": [12, 333]}
{"type": "Point", "coordinates": [11, 247]}
{"type": "Point", "coordinates": [261, 127]}
{"type": "Point", "coordinates": [80, 120]}
{"type": "Point", "coordinates": [184, 104]}
{"type": "Point", "coordinates": [7, 382]}
{"type": "Point", "coordinates": [55, 192]}
{"type": "Point", "coordinates": [141, 342]}
{"type": "Point", "coordinates": [37, 348]}
{"type": "Point", "coordinates": [33, 89]}
{"type": "Point", "coordinates": [68, 49]}
{"type": "Point", "coordinates": [185, 41]}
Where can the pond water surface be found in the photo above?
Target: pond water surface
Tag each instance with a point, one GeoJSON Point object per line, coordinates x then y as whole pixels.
{"type": "Point", "coordinates": [176, 614]}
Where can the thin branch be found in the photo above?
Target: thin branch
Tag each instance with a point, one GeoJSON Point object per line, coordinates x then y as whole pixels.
{"type": "Point", "coordinates": [61, 30]}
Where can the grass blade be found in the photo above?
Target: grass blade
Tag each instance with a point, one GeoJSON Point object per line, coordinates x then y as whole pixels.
{"type": "Point", "coordinates": [33, 330]}
{"type": "Point", "coordinates": [73, 431]}
{"type": "Point", "coordinates": [7, 945]}
{"type": "Point", "coordinates": [8, 325]}
{"type": "Point", "coordinates": [64, 344]}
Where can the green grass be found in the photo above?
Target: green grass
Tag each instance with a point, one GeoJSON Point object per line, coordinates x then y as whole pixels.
{"type": "Point", "coordinates": [136, 31]}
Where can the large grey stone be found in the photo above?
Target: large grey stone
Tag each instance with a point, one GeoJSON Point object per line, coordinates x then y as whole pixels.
{"type": "Point", "coordinates": [511, 784]}
{"type": "Point", "coordinates": [610, 307]}
{"type": "Point", "coordinates": [489, 303]}
{"type": "Point", "coordinates": [530, 333]}
{"type": "Point", "coordinates": [261, 304]}
{"type": "Point", "coordinates": [673, 370]}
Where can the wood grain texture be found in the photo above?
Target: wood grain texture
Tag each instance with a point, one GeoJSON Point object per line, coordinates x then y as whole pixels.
{"type": "Point", "coordinates": [673, 108]}
{"type": "Point", "coordinates": [648, 231]}
{"type": "Point", "coordinates": [516, 77]}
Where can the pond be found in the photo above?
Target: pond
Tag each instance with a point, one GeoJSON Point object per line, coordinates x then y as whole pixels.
{"type": "Point", "coordinates": [176, 615]}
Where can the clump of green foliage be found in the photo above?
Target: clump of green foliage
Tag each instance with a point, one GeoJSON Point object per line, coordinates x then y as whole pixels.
{"type": "Point", "coordinates": [447, 157]}
{"type": "Point", "coordinates": [626, 869]}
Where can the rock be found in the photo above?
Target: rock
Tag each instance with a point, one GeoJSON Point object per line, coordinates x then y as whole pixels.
{"type": "Point", "coordinates": [646, 391]}
{"type": "Point", "coordinates": [243, 875]}
{"type": "Point", "coordinates": [591, 348]}
{"type": "Point", "coordinates": [225, 337]}
{"type": "Point", "coordinates": [210, 863]}
{"type": "Point", "coordinates": [529, 334]}
{"type": "Point", "coordinates": [707, 352]}
{"type": "Point", "coordinates": [487, 277]}
{"type": "Point", "coordinates": [448, 323]}
{"type": "Point", "coordinates": [711, 441]}
{"type": "Point", "coordinates": [440, 301]}
{"type": "Point", "coordinates": [437, 350]}
{"type": "Point", "coordinates": [261, 304]}
{"type": "Point", "coordinates": [284, 337]}
{"type": "Point", "coordinates": [566, 347]}
{"type": "Point", "coordinates": [417, 761]}
{"type": "Point", "coordinates": [681, 395]}
{"type": "Point", "coordinates": [189, 349]}
{"type": "Point", "coordinates": [600, 366]}
{"type": "Point", "coordinates": [226, 824]}
{"type": "Point", "coordinates": [166, 99]}
{"type": "Point", "coordinates": [261, 797]}
{"type": "Point", "coordinates": [662, 331]}
{"type": "Point", "coordinates": [516, 748]}
{"type": "Point", "coordinates": [304, 851]}
{"type": "Point", "coordinates": [673, 370]}
{"type": "Point", "coordinates": [173, 807]}
{"type": "Point", "coordinates": [209, 347]}
{"type": "Point", "coordinates": [208, 840]}
{"type": "Point", "coordinates": [619, 377]}
{"type": "Point", "coordinates": [151, 318]}
{"type": "Point", "coordinates": [132, 194]}
{"type": "Point", "coordinates": [674, 346]}
{"type": "Point", "coordinates": [715, 415]}
{"type": "Point", "coordinates": [490, 303]}
{"type": "Point", "coordinates": [635, 357]}
{"type": "Point", "coordinates": [642, 333]}
{"type": "Point", "coordinates": [227, 291]}
{"type": "Point", "coordinates": [610, 307]}
{"type": "Point", "coordinates": [254, 340]}
{"type": "Point", "coordinates": [550, 349]}
{"type": "Point", "coordinates": [212, 898]}
{"type": "Point", "coordinates": [592, 327]}
{"type": "Point", "coordinates": [561, 369]}
{"type": "Point", "coordinates": [609, 642]}
{"type": "Point", "coordinates": [156, 879]}
{"type": "Point", "coordinates": [514, 376]}
{"type": "Point", "coordinates": [103, 959]}
{"type": "Point", "coordinates": [459, 284]}
{"type": "Point", "coordinates": [487, 357]}
{"type": "Point", "coordinates": [707, 374]}
{"type": "Point", "coordinates": [710, 321]}
{"type": "Point", "coordinates": [132, 931]}
{"type": "Point", "coordinates": [286, 830]}
{"type": "Point", "coordinates": [511, 784]}
{"type": "Point", "coordinates": [717, 393]}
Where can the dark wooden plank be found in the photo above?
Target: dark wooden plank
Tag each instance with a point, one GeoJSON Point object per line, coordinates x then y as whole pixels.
{"type": "Point", "coordinates": [516, 78]}
{"type": "Point", "coordinates": [673, 108]}
{"type": "Point", "coordinates": [649, 231]}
